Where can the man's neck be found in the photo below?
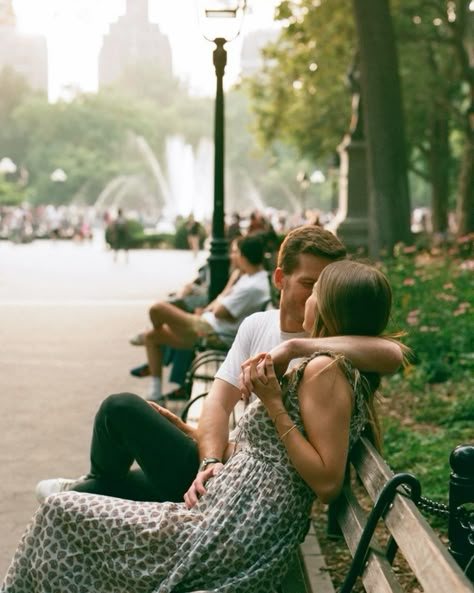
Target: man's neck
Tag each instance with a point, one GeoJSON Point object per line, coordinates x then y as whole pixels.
{"type": "Point", "coordinates": [290, 325]}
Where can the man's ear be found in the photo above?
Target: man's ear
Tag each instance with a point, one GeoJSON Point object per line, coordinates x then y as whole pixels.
{"type": "Point", "coordinates": [278, 278]}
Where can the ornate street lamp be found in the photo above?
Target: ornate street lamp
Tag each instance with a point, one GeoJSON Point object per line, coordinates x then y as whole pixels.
{"type": "Point", "coordinates": [303, 181]}
{"type": "Point", "coordinates": [220, 22]}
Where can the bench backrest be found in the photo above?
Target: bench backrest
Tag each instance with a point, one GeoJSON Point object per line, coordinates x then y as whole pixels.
{"type": "Point", "coordinates": [402, 525]}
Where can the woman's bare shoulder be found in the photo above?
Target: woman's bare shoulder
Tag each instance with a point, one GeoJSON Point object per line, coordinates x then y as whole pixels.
{"type": "Point", "coordinates": [325, 369]}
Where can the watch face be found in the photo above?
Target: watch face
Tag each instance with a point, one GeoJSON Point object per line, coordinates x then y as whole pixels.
{"type": "Point", "coordinates": [207, 461]}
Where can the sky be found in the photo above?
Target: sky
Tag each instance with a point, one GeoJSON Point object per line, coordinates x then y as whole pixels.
{"type": "Point", "coordinates": [74, 31]}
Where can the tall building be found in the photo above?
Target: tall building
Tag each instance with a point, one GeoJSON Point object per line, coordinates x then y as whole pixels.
{"type": "Point", "coordinates": [26, 54]}
{"type": "Point", "coordinates": [133, 40]}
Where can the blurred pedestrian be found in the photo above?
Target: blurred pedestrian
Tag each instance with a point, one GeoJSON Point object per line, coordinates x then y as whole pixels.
{"type": "Point", "coordinates": [119, 237]}
{"type": "Point", "coordinates": [192, 233]}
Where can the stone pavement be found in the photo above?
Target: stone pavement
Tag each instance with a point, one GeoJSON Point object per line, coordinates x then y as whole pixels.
{"type": "Point", "coordinates": [58, 360]}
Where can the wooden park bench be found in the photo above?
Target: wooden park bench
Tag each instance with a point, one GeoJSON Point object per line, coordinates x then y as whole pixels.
{"type": "Point", "coordinates": [377, 518]}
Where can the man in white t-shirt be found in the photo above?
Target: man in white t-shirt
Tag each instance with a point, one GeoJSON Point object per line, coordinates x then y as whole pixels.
{"type": "Point", "coordinates": [173, 465]}
{"type": "Point", "coordinates": [220, 319]}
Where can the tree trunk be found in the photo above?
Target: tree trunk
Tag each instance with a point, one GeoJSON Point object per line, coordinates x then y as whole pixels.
{"type": "Point", "coordinates": [439, 171]}
{"type": "Point", "coordinates": [465, 202]}
{"type": "Point", "coordinates": [389, 201]}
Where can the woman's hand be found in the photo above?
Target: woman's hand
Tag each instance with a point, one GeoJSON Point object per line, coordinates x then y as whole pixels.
{"type": "Point", "coordinates": [258, 376]}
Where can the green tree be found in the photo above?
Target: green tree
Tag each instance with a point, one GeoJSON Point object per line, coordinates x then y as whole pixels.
{"type": "Point", "coordinates": [15, 90]}
{"type": "Point", "coordinates": [435, 39]}
{"type": "Point", "coordinates": [83, 137]}
{"type": "Point", "coordinates": [11, 194]}
{"type": "Point", "coordinates": [300, 96]}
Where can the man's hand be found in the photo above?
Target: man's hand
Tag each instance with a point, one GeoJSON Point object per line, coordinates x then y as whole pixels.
{"type": "Point", "coordinates": [176, 420]}
{"type": "Point", "coordinates": [258, 376]}
{"type": "Point", "coordinates": [197, 488]}
{"type": "Point", "coordinates": [245, 384]}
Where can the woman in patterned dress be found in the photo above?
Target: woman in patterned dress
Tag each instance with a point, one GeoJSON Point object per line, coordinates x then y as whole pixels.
{"type": "Point", "coordinates": [240, 535]}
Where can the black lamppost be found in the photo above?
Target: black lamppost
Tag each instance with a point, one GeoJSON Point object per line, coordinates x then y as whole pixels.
{"type": "Point", "coordinates": [232, 13]}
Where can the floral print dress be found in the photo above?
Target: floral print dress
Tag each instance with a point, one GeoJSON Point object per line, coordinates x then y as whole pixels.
{"type": "Point", "coordinates": [239, 538]}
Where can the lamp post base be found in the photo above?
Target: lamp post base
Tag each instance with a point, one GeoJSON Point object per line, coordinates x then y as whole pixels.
{"type": "Point", "coordinates": [353, 228]}
{"type": "Point", "coordinates": [218, 266]}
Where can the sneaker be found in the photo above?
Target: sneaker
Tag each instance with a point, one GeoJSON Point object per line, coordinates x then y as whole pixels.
{"type": "Point", "coordinates": [47, 487]}
{"type": "Point", "coordinates": [178, 394]}
{"type": "Point", "coordinates": [138, 340]}
{"type": "Point", "coordinates": [142, 371]}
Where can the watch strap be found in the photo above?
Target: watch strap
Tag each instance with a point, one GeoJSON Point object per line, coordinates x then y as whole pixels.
{"type": "Point", "coordinates": [207, 461]}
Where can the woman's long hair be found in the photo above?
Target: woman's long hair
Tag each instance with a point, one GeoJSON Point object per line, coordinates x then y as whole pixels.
{"type": "Point", "coordinates": [354, 299]}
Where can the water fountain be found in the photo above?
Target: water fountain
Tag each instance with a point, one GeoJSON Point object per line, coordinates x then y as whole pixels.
{"type": "Point", "coordinates": [186, 185]}
{"type": "Point", "coordinates": [190, 178]}
{"type": "Point", "coordinates": [182, 184]}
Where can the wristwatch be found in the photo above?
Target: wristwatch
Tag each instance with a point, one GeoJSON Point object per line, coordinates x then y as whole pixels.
{"type": "Point", "coordinates": [207, 461]}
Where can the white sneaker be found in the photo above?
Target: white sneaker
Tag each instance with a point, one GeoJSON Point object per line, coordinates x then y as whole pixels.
{"type": "Point", "coordinates": [54, 486]}
{"type": "Point", "coordinates": [138, 340]}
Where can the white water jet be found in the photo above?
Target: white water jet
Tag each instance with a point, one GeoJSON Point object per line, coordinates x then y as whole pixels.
{"type": "Point", "coordinates": [190, 178]}
{"type": "Point", "coordinates": [149, 156]}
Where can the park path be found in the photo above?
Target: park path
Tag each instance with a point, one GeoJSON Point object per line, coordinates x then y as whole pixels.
{"type": "Point", "coordinates": [66, 313]}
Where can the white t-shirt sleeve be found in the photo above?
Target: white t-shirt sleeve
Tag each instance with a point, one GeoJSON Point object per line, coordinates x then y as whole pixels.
{"type": "Point", "coordinates": [240, 350]}
{"type": "Point", "coordinates": [259, 332]}
{"type": "Point", "coordinates": [247, 295]}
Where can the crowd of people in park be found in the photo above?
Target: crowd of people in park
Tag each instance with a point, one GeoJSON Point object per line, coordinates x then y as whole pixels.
{"type": "Point", "coordinates": [165, 507]}
{"type": "Point", "coordinates": [23, 224]}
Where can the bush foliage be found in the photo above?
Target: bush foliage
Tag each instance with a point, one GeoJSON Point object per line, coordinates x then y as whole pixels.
{"type": "Point", "coordinates": [427, 407]}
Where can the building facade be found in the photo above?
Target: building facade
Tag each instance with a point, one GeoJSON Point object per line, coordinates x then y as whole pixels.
{"type": "Point", "coordinates": [25, 54]}
{"type": "Point", "coordinates": [133, 39]}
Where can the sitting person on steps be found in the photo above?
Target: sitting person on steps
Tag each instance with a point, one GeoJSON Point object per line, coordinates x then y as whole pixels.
{"type": "Point", "coordinates": [218, 322]}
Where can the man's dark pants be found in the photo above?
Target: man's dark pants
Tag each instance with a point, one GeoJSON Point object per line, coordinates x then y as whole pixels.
{"type": "Point", "coordinates": [127, 430]}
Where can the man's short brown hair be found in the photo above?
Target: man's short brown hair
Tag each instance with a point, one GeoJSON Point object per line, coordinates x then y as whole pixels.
{"type": "Point", "coordinates": [312, 240]}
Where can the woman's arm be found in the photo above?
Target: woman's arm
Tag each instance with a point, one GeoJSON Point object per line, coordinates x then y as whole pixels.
{"type": "Point", "coordinates": [325, 399]}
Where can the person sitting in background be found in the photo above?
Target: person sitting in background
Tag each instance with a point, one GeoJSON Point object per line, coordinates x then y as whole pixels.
{"type": "Point", "coordinates": [219, 320]}
{"type": "Point", "coordinates": [233, 230]}
{"type": "Point", "coordinates": [193, 298]}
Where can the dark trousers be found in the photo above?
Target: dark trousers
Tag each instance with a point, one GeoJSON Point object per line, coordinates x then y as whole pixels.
{"type": "Point", "coordinates": [127, 430]}
{"type": "Point", "coordinates": [181, 361]}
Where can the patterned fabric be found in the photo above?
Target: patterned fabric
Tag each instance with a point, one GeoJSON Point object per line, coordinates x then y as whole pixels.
{"type": "Point", "coordinates": [237, 539]}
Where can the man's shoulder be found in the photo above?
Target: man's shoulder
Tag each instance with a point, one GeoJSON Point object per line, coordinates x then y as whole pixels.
{"type": "Point", "coordinates": [263, 317]}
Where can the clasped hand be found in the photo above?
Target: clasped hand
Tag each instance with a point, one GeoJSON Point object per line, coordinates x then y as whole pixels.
{"type": "Point", "coordinates": [258, 376]}
{"type": "Point", "coordinates": [198, 487]}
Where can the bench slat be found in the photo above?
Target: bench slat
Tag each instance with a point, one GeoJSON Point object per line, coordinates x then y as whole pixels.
{"type": "Point", "coordinates": [431, 563]}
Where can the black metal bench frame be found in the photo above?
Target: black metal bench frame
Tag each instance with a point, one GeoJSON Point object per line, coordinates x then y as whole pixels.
{"type": "Point", "coordinates": [394, 498]}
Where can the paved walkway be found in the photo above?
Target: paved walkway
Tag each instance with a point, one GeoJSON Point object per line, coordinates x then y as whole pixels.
{"type": "Point", "coordinates": [64, 347]}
